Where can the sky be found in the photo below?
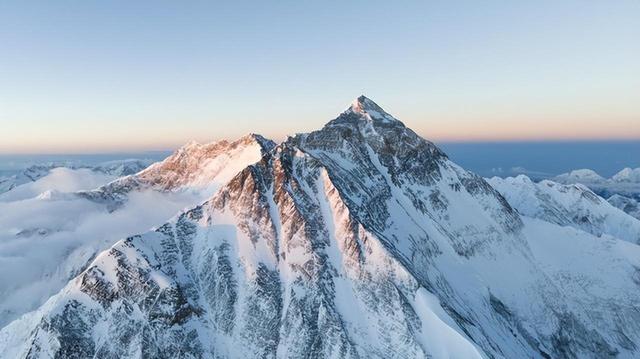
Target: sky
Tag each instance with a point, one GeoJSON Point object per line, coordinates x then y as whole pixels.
{"type": "Point", "coordinates": [91, 76]}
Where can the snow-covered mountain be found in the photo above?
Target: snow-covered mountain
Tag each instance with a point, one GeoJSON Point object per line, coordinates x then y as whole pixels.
{"type": "Point", "coordinates": [567, 205]}
{"type": "Point", "coordinates": [628, 205]}
{"type": "Point", "coordinates": [627, 175]}
{"type": "Point", "coordinates": [49, 232]}
{"type": "Point", "coordinates": [33, 173]}
{"type": "Point", "coordinates": [625, 183]}
{"type": "Point", "coordinates": [121, 168]}
{"type": "Point", "coordinates": [586, 176]}
{"type": "Point", "coordinates": [357, 240]}
{"type": "Point", "coordinates": [199, 167]}
{"type": "Point", "coordinates": [30, 174]}
{"type": "Point", "coordinates": [580, 176]}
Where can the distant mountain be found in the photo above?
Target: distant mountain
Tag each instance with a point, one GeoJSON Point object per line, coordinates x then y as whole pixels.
{"type": "Point", "coordinates": [584, 176]}
{"type": "Point", "coordinates": [33, 173]}
{"type": "Point", "coordinates": [121, 168]}
{"type": "Point", "coordinates": [580, 176]}
{"type": "Point", "coordinates": [623, 188]}
{"type": "Point", "coordinates": [627, 175]}
{"type": "Point", "coordinates": [568, 205]}
{"type": "Point", "coordinates": [357, 240]}
{"type": "Point", "coordinates": [628, 205]}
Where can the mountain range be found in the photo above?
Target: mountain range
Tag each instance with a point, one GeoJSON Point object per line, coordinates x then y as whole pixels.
{"type": "Point", "coordinates": [49, 237]}
{"type": "Point", "coordinates": [360, 239]}
{"type": "Point", "coordinates": [35, 172]}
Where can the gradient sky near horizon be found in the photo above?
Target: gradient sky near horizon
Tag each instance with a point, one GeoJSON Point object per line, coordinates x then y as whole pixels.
{"type": "Point", "coordinates": [89, 76]}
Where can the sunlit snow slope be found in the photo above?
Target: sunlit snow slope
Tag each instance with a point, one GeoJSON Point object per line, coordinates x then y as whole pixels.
{"type": "Point", "coordinates": [359, 240]}
{"type": "Point", "coordinates": [50, 232]}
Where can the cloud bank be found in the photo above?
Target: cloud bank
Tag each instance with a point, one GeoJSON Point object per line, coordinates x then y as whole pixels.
{"type": "Point", "coordinates": [48, 235]}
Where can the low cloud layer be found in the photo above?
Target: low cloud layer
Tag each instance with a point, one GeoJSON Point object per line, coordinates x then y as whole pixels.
{"type": "Point", "coordinates": [46, 239]}
{"type": "Point", "coordinates": [59, 179]}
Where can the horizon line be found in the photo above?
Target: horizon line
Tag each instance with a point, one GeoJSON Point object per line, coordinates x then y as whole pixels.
{"type": "Point", "coordinates": [171, 148]}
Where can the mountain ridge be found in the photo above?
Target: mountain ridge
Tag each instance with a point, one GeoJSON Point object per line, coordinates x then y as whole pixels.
{"type": "Point", "coordinates": [357, 240]}
{"type": "Point", "coordinates": [50, 236]}
{"type": "Point", "coordinates": [194, 165]}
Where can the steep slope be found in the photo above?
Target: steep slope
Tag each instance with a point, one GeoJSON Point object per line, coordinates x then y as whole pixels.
{"type": "Point", "coordinates": [49, 235]}
{"type": "Point", "coordinates": [626, 204]}
{"type": "Point", "coordinates": [567, 205]}
{"type": "Point", "coordinates": [357, 240]}
{"type": "Point", "coordinates": [201, 167]}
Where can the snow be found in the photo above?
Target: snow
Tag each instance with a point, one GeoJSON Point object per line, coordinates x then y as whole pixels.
{"type": "Point", "coordinates": [626, 204]}
{"type": "Point", "coordinates": [34, 267]}
{"type": "Point", "coordinates": [59, 179]}
{"type": "Point", "coordinates": [627, 175]}
{"type": "Point", "coordinates": [570, 205]}
{"type": "Point", "coordinates": [370, 110]}
{"type": "Point", "coordinates": [224, 166]}
{"type": "Point", "coordinates": [48, 233]}
{"type": "Point", "coordinates": [581, 175]}
{"type": "Point", "coordinates": [342, 274]}
{"type": "Point", "coordinates": [437, 332]}
{"type": "Point", "coordinates": [625, 183]}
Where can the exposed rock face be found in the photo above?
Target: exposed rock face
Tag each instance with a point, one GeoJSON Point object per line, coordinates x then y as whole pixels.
{"type": "Point", "coordinates": [358, 240]}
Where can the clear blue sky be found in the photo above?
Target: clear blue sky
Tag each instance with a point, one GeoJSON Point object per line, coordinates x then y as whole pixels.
{"type": "Point", "coordinates": [126, 75]}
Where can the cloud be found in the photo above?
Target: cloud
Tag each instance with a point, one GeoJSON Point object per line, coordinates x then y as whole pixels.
{"type": "Point", "coordinates": [59, 179]}
{"type": "Point", "coordinates": [47, 240]}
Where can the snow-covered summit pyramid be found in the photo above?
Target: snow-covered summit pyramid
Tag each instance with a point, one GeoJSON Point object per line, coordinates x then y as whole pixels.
{"type": "Point", "coordinates": [357, 240]}
{"type": "Point", "coordinates": [363, 106]}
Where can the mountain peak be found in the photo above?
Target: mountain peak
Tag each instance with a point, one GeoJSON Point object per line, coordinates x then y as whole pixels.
{"type": "Point", "coordinates": [369, 109]}
{"type": "Point", "coordinates": [265, 143]}
{"type": "Point", "coordinates": [367, 123]}
{"type": "Point", "coordinates": [580, 176]}
{"type": "Point", "coordinates": [627, 175]}
{"type": "Point", "coordinates": [362, 103]}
